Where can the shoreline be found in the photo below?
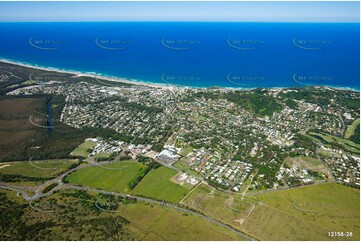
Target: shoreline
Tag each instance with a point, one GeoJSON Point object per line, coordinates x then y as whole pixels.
{"type": "Point", "coordinates": [165, 86]}
{"type": "Point", "coordinates": [95, 76]}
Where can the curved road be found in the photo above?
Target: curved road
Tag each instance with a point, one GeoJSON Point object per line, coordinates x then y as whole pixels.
{"type": "Point", "coordinates": [61, 185]}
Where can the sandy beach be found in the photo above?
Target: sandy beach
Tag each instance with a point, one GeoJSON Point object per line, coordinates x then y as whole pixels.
{"type": "Point", "coordinates": [98, 77]}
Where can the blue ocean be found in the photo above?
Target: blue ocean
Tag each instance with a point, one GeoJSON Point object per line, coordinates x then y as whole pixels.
{"type": "Point", "coordinates": [196, 54]}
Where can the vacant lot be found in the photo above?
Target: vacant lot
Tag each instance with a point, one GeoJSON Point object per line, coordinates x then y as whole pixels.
{"type": "Point", "coordinates": [186, 227]}
{"type": "Point", "coordinates": [155, 222]}
{"type": "Point", "coordinates": [114, 177]}
{"type": "Point", "coordinates": [157, 184]}
{"type": "Point", "coordinates": [230, 209]}
{"type": "Point", "coordinates": [331, 206]}
{"type": "Point", "coordinates": [267, 223]}
{"type": "Point", "coordinates": [36, 168]}
{"type": "Point", "coordinates": [309, 163]}
{"type": "Point", "coordinates": [306, 213]}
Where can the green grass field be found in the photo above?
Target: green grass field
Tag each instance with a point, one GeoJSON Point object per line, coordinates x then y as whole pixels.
{"type": "Point", "coordinates": [267, 223]}
{"type": "Point", "coordinates": [328, 138]}
{"type": "Point", "coordinates": [247, 183]}
{"type": "Point", "coordinates": [351, 128]}
{"type": "Point", "coordinates": [186, 227]}
{"type": "Point", "coordinates": [165, 224]}
{"type": "Point", "coordinates": [81, 150]}
{"type": "Point", "coordinates": [182, 164]}
{"type": "Point", "coordinates": [328, 207]}
{"type": "Point", "coordinates": [200, 118]}
{"type": "Point", "coordinates": [230, 209]}
{"type": "Point", "coordinates": [186, 150]}
{"type": "Point", "coordinates": [36, 168]}
{"type": "Point", "coordinates": [114, 177]}
{"type": "Point", "coordinates": [102, 155]}
{"type": "Point", "coordinates": [157, 184]}
{"type": "Point", "coordinates": [306, 213]}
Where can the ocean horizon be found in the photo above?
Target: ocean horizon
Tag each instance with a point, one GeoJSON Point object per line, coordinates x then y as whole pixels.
{"type": "Point", "coordinates": [193, 54]}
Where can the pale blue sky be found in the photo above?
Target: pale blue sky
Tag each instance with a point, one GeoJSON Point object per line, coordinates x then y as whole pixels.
{"type": "Point", "coordinates": [181, 11]}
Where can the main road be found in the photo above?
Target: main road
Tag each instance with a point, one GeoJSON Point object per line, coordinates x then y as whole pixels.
{"type": "Point", "coordinates": [61, 186]}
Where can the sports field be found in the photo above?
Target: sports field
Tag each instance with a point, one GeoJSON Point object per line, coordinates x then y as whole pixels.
{"type": "Point", "coordinates": [157, 184]}
{"type": "Point", "coordinates": [114, 177]}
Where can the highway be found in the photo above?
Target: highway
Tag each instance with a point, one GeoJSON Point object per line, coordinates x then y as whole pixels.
{"type": "Point", "coordinates": [62, 186]}
{"type": "Point", "coordinates": [161, 203]}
